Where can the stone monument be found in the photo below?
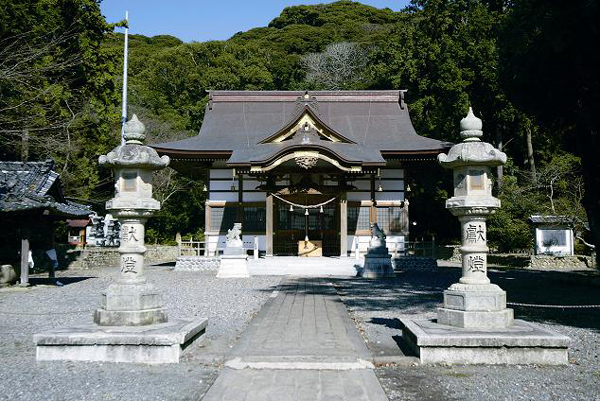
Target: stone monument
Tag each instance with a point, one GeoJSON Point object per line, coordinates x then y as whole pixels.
{"type": "Point", "coordinates": [378, 261]}
{"type": "Point", "coordinates": [234, 261]}
{"type": "Point", "coordinates": [131, 325]}
{"type": "Point", "coordinates": [474, 325]}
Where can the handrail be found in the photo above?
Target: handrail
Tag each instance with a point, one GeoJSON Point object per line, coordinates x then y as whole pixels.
{"type": "Point", "coordinates": [199, 248]}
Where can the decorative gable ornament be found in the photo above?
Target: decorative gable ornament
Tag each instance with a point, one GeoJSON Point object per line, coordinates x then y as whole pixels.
{"type": "Point", "coordinates": [306, 119]}
{"type": "Point", "coordinates": [306, 162]}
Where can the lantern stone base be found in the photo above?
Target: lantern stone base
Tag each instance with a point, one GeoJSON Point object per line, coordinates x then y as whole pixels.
{"type": "Point", "coordinates": [233, 266]}
{"type": "Point", "coordinates": [481, 306]}
{"type": "Point", "coordinates": [153, 344]}
{"type": "Point", "coordinates": [377, 266]}
{"type": "Point", "coordinates": [476, 319]}
{"type": "Point", "coordinates": [520, 343]}
{"type": "Point", "coordinates": [130, 305]}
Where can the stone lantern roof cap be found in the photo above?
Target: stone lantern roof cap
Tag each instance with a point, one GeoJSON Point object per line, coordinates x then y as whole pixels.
{"type": "Point", "coordinates": [134, 153]}
{"type": "Point", "coordinates": [472, 151]}
{"type": "Point", "coordinates": [471, 127]}
{"type": "Point", "coordinates": [134, 131]}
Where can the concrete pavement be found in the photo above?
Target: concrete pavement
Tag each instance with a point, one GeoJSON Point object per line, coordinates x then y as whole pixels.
{"type": "Point", "coordinates": [302, 345]}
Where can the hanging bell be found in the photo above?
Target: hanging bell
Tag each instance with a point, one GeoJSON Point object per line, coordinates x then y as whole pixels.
{"type": "Point", "coordinates": [380, 188]}
{"type": "Point", "coordinates": [321, 209]}
{"type": "Point", "coordinates": [291, 208]}
{"type": "Point", "coordinates": [306, 212]}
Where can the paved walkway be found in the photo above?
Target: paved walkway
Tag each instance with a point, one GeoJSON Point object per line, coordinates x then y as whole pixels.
{"type": "Point", "coordinates": [301, 346]}
{"type": "Point", "coordinates": [311, 267]}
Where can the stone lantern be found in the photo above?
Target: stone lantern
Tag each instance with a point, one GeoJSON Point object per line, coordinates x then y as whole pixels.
{"type": "Point", "coordinates": [473, 301]}
{"type": "Point", "coordinates": [131, 324]}
{"type": "Point", "coordinates": [132, 301]}
{"type": "Point", "coordinates": [474, 326]}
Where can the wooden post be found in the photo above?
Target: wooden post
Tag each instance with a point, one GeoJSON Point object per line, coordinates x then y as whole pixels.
{"type": "Point", "coordinates": [240, 207]}
{"type": "Point", "coordinates": [255, 247]}
{"type": "Point", "coordinates": [344, 226]}
{"type": "Point", "coordinates": [207, 227]}
{"type": "Point", "coordinates": [269, 233]}
{"type": "Point", "coordinates": [24, 258]}
{"type": "Point", "coordinates": [372, 211]}
{"type": "Point", "coordinates": [24, 145]}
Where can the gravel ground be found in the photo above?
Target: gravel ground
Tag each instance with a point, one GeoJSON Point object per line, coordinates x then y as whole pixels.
{"type": "Point", "coordinates": [228, 304]}
{"type": "Point", "coordinates": [377, 305]}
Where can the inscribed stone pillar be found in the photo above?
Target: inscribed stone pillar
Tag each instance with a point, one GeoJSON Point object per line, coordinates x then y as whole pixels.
{"type": "Point", "coordinates": [132, 301]}
{"type": "Point", "coordinates": [473, 302]}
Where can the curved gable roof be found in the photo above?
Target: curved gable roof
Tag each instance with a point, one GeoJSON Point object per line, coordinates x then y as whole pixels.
{"type": "Point", "coordinates": [241, 120]}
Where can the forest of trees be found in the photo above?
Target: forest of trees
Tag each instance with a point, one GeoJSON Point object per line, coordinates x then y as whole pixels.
{"type": "Point", "coordinates": [529, 68]}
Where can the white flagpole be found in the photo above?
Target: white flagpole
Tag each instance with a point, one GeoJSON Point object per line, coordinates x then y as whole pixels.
{"type": "Point", "coordinates": [124, 101]}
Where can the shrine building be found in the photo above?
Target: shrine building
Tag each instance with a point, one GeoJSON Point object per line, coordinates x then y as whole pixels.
{"type": "Point", "coordinates": [305, 172]}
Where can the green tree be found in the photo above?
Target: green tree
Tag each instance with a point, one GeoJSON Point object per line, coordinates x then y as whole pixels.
{"type": "Point", "coordinates": [549, 66]}
{"type": "Point", "coordinates": [56, 84]}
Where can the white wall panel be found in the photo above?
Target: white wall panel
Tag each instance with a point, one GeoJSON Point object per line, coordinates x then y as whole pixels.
{"type": "Point", "coordinates": [389, 185]}
{"type": "Point", "coordinates": [362, 184]}
{"type": "Point", "coordinates": [389, 196]}
{"type": "Point", "coordinates": [359, 196]}
{"type": "Point", "coordinates": [222, 185]}
{"type": "Point", "coordinates": [221, 173]}
{"type": "Point", "coordinates": [250, 184]}
{"type": "Point", "coordinates": [247, 239]}
{"type": "Point", "coordinates": [254, 197]}
{"type": "Point", "coordinates": [395, 243]}
{"type": "Point", "coordinates": [392, 173]}
{"type": "Point", "coordinates": [223, 196]}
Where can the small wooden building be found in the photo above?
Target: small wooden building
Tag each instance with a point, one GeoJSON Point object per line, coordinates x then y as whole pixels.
{"type": "Point", "coordinates": [553, 235]}
{"type": "Point", "coordinates": [78, 231]}
{"type": "Point", "coordinates": [31, 200]}
{"type": "Point", "coordinates": [298, 168]}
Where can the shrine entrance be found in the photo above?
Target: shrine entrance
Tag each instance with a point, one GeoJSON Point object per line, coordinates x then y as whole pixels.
{"type": "Point", "coordinates": [309, 232]}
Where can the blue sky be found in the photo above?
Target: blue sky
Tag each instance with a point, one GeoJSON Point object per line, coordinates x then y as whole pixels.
{"type": "Point", "coordinates": [202, 20]}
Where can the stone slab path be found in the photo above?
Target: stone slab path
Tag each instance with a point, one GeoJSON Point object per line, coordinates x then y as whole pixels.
{"type": "Point", "coordinates": [294, 266]}
{"type": "Point", "coordinates": [302, 345]}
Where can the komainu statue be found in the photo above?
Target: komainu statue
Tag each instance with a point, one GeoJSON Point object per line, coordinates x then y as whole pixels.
{"type": "Point", "coordinates": [233, 236]}
{"type": "Point", "coordinates": [377, 243]}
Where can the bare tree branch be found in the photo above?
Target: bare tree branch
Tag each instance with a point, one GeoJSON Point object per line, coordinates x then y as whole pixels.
{"type": "Point", "coordinates": [337, 66]}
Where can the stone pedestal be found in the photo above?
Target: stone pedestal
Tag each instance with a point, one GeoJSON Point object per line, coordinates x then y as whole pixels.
{"type": "Point", "coordinates": [154, 344]}
{"type": "Point", "coordinates": [131, 324]}
{"type": "Point", "coordinates": [474, 325]}
{"type": "Point", "coordinates": [234, 262]}
{"type": "Point", "coordinates": [475, 306]}
{"type": "Point", "coordinates": [377, 266]}
{"type": "Point", "coordinates": [520, 343]}
{"type": "Point", "coordinates": [130, 305]}
{"type": "Point", "coordinates": [233, 266]}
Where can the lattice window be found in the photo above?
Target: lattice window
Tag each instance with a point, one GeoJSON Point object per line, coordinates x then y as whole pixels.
{"type": "Point", "coordinates": [254, 219]}
{"type": "Point", "coordinates": [358, 218]}
{"type": "Point", "coordinates": [392, 219]}
{"type": "Point", "coordinates": [222, 218]}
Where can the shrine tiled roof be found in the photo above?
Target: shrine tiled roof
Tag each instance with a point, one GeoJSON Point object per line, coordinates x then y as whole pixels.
{"type": "Point", "coordinates": [374, 123]}
{"type": "Point", "coordinates": [551, 219]}
{"type": "Point", "coordinates": [34, 186]}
